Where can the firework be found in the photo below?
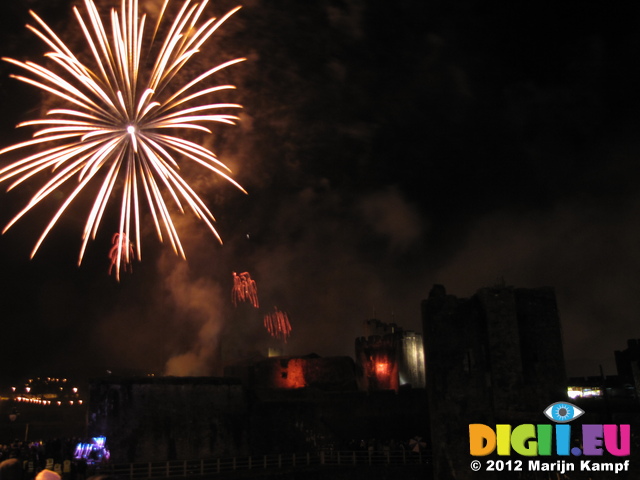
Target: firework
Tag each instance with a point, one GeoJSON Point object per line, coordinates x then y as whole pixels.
{"type": "Point", "coordinates": [277, 324]}
{"type": "Point", "coordinates": [244, 289]}
{"type": "Point", "coordinates": [120, 254]}
{"type": "Point", "coordinates": [114, 129]}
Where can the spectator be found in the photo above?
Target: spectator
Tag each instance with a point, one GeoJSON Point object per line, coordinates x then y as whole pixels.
{"type": "Point", "coordinates": [11, 469]}
{"type": "Point", "coordinates": [47, 474]}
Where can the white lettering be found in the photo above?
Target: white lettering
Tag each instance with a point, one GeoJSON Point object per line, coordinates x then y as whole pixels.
{"type": "Point", "coordinates": [617, 467]}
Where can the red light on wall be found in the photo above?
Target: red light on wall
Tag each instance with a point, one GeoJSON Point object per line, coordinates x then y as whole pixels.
{"type": "Point", "coordinates": [292, 376]}
{"type": "Point", "coordinates": [382, 369]}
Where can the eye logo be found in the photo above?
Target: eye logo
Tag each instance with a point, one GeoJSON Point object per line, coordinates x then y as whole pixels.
{"type": "Point", "coordinates": [562, 412]}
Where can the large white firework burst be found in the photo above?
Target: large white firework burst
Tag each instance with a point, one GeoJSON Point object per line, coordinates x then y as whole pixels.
{"type": "Point", "coordinates": [115, 126]}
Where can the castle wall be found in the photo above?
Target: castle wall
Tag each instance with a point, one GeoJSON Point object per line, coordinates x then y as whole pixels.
{"type": "Point", "coordinates": [412, 368]}
{"type": "Point", "coordinates": [327, 373]}
{"type": "Point", "coordinates": [540, 334]}
{"type": "Point", "coordinates": [390, 358]}
{"type": "Point", "coordinates": [493, 358]}
{"type": "Point", "coordinates": [628, 364]}
{"type": "Point", "coordinates": [158, 419]}
{"type": "Point", "coordinates": [377, 359]}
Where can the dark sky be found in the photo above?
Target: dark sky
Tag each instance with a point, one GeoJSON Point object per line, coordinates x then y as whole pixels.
{"type": "Point", "coordinates": [385, 148]}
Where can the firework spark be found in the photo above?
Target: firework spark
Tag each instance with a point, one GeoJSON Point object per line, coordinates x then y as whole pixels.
{"type": "Point", "coordinates": [244, 289]}
{"type": "Point", "coordinates": [277, 324]}
{"type": "Point", "coordinates": [114, 129]}
{"type": "Point", "coordinates": [120, 254]}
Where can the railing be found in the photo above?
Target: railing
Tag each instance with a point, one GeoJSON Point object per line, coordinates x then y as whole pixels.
{"type": "Point", "coordinates": [221, 466]}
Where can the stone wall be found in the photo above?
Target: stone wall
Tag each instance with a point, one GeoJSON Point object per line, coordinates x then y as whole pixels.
{"type": "Point", "coordinates": [158, 419]}
{"type": "Point", "coordinates": [493, 358]}
{"type": "Point", "coordinates": [325, 373]}
{"type": "Point", "coordinates": [389, 358]}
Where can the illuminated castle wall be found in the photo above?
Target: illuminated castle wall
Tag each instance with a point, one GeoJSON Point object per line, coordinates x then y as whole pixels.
{"type": "Point", "coordinates": [412, 370]}
{"type": "Point", "coordinates": [493, 358]}
{"type": "Point", "coordinates": [389, 357]}
{"type": "Point", "coordinates": [327, 373]}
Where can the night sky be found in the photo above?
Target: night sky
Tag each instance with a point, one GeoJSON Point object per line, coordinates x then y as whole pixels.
{"type": "Point", "coordinates": [385, 147]}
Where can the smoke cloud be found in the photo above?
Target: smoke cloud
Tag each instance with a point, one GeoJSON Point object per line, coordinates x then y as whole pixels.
{"type": "Point", "coordinates": [197, 304]}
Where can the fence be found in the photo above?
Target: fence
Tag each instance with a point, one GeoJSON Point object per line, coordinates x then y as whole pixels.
{"type": "Point", "coordinates": [221, 466]}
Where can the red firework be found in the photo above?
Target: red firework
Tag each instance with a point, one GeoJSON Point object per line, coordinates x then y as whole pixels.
{"type": "Point", "coordinates": [121, 254]}
{"type": "Point", "coordinates": [277, 324]}
{"type": "Point", "coordinates": [244, 289]}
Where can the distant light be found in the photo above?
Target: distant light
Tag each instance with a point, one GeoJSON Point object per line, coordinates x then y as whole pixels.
{"type": "Point", "coordinates": [583, 392]}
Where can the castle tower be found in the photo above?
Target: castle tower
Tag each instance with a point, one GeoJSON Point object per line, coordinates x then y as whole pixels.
{"type": "Point", "coordinates": [389, 357]}
{"type": "Point", "coordinates": [493, 358]}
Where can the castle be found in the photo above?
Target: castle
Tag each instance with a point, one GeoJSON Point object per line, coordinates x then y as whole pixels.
{"type": "Point", "coordinates": [495, 357]}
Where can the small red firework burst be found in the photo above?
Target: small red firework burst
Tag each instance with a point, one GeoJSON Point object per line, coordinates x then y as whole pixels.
{"type": "Point", "coordinates": [244, 289]}
{"type": "Point", "coordinates": [277, 324]}
{"type": "Point", "coordinates": [121, 254]}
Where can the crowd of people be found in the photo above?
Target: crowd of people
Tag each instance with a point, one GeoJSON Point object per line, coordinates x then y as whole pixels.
{"type": "Point", "coordinates": [43, 460]}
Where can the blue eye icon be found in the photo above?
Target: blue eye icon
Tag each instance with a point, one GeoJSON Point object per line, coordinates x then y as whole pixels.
{"type": "Point", "coordinates": [562, 412]}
